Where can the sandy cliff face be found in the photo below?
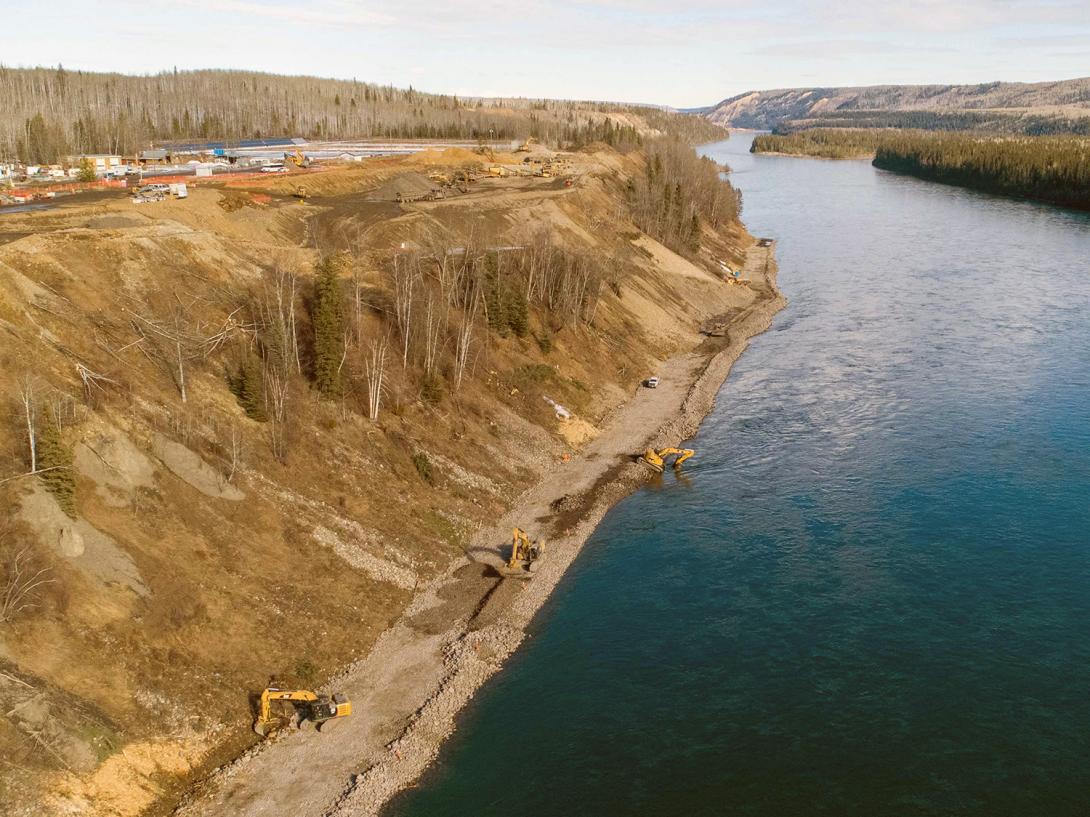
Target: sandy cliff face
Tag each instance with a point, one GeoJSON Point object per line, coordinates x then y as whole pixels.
{"type": "Point", "coordinates": [203, 550]}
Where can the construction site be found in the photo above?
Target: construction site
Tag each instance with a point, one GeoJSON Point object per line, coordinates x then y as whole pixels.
{"type": "Point", "coordinates": [301, 453]}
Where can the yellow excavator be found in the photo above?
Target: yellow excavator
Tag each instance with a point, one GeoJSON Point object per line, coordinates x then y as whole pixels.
{"type": "Point", "coordinates": [656, 460]}
{"type": "Point", "coordinates": [307, 708]}
{"type": "Point", "coordinates": [525, 555]}
{"type": "Point", "coordinates": [297, 158]}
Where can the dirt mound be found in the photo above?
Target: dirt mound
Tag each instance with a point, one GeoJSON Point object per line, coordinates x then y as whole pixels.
{"type": "Point", "coordinates": [406, 185]}
{"type": "Point", "coordinates": [116, 222]}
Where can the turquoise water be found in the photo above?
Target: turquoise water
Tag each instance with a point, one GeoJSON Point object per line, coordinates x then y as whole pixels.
{"type": "Point", "coordinates": [870, 593]}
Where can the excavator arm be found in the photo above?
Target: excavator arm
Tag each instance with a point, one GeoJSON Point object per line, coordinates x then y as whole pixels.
{"type": "Point", "coordinates": [316, 708]}
{"type": "Point", "coordinates": [657, 459]}
{"type": "Point", "coordinates": [524, 552]}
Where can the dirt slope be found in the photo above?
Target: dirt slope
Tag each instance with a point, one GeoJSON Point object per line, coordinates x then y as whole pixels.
{"type": "Point", "coordinates": [203, 551]}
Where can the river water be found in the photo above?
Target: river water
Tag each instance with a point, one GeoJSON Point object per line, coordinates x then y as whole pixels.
{"type": "Point", "coordinates": [869, 594]}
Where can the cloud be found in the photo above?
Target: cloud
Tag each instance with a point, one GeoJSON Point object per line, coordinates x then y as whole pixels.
{"type": "Point", "coordinates": [944, 16]}
{"type": "Point", "coordinates": [327, 13]}
{"type": "Point", "coordinates": [837, 49]}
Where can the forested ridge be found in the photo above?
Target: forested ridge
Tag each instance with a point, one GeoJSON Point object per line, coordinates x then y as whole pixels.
{"type": "Point", "coordinates": [1008, 107]}
{"type": "Point", "coordinates": [1021, 123]}
{"type": "Point", "coordinates": [52, 112]}
{"type": "Point", "coordinates": [1055, 169]}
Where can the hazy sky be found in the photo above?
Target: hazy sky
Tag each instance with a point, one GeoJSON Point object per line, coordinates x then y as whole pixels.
{"type": "Point", "coordinates": [684, 53]}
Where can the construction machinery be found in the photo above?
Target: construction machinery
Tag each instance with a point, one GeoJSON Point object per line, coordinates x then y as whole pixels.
{"type": "Point", "coordinates": [297, 158]}
{"type": "Point", "coordinates": [306, 708]}
{"type": "Point", "coordinates": [656, 460]}
{"type": "Point", "coordinates": [525, 555]}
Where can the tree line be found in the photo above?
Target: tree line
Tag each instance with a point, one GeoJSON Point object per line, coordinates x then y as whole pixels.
{"type": "Point", "coordinates": [678, 194]}
{"type": "Point", "coordinates": [52, 112]}
{"type": "Point", "coordinates": [420, 330]}
{"type": "Point", "coordinates": [991, 122]}
{"type": "Point", "coordinates": [1054, 169]}
{"type": "Point", "coordinates": [826, 143]}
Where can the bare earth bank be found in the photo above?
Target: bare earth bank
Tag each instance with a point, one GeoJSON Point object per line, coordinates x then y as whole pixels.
{"type": "Point", "coordinates": [460, 629]}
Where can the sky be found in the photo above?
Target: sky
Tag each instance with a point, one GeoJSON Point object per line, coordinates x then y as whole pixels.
{"type": "Point", "coordinates": [685, 53]}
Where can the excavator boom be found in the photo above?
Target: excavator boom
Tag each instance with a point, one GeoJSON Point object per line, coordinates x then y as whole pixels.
{"type": "Point", "coordinates": [310, 707]}
{"type": "Point", "coordinates": [656, 459]}
{"type": "Point", "coordinates": [524, 553]}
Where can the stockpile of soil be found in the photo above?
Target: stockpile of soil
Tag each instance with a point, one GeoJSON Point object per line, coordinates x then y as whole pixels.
{"type": "Point", "coordinates": [408, 185]}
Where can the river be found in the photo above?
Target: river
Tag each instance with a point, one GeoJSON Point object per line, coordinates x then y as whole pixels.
{"type": "Point", "coordinates": [869, 593]}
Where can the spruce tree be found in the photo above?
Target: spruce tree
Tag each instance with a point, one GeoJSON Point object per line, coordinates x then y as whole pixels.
{"type": "Point", "coordinates": [251, 393]}
{"type": "Point", "coordinates": [55, 462]}
{"type": "Point", "coordinates": [494, 302]}
{"type": "Point", "coordinates": [518, 313]}
{"type": "Point", "coordinates": [328, 330]}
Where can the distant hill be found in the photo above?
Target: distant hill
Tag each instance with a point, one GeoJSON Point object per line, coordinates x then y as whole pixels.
{"type": "Point", "coordinates": [1042, 107]}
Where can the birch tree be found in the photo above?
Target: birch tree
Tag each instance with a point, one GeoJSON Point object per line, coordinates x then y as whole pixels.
{"type": "Point", "coordinates": [375, 372]}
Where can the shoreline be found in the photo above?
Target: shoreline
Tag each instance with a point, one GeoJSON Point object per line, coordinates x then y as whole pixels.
{"type": "Point", "coordinates": [860, 158]}
{"type": "Point", "coordinates": [460, 629]}
{"type": "Point", "coordinates": [477, 655]}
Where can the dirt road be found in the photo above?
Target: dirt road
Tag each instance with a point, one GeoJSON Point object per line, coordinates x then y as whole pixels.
{"type": "Point", "coordinates": [459, 630]}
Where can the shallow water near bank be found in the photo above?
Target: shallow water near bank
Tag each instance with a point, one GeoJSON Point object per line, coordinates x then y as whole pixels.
{"type": "Point", "coordinates": [868, 593]}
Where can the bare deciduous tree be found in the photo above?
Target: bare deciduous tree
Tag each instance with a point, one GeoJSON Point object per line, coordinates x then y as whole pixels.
{"type": "Point", "coordinates": [406, 273]}
{"type": "Point", "coordinates": [234, 450]}
{"type": "Point", "coordinates": [463, 340]}
{"type": "Point", "coordinates": [179, 339]}
{"type": "Point", "coordinates": [375, 372]}
{"type": "Point", "coordinates": [22, 583]}
{"type": "Point", "coordinates": [30, 413]}
{"type": "Point", "coordinates": [435, 329]}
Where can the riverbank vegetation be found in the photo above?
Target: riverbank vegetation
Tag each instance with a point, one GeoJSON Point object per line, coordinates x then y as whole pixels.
{"type": "Point", "coordinates": [49, 113]}
{"type": "Point", "coordinates": [1054, 169]}
{"type": "Point", "coordinates": [825, 143]}
{"type": "Point", "coordinates": [679, 193]}
{"type": "Point", "coordinates": [983, 122]}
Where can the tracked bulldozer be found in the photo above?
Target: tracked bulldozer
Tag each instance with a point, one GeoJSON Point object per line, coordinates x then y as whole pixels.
{"type": "Point", "coordinates": [306, 708]}
{"type": "Point", "coordinates": [656, 460]}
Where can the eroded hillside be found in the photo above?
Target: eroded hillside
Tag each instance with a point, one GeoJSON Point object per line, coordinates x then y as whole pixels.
{"type": "Point", "coordinates": [1006, 107]}
{"type": "Point", "coordinates": [227, 489]}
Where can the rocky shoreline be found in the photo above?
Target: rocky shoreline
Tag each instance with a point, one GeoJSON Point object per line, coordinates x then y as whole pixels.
{"type": "Point", "coordinates": [473, 654]}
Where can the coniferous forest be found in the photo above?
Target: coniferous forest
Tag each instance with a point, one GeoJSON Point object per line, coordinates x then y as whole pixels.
{"type": "Point", "coordinates": [1055, 169]}
{"type": "Point", "coordinates": [49, 113]}
{"type": "Point", "coordinates": [825, 143]}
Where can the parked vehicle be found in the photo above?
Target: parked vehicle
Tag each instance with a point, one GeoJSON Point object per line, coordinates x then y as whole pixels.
{"type": "Point", "coordinates": [651, 382]}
